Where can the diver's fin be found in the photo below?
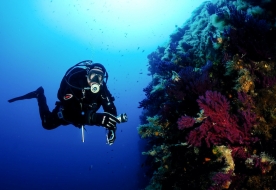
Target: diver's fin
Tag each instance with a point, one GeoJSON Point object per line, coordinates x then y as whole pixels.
{"type": "Point", "coordinates": [30, 95]}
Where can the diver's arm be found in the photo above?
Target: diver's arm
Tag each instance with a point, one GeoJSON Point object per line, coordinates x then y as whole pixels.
{"type": "Point", "coordinates": [108, 102]}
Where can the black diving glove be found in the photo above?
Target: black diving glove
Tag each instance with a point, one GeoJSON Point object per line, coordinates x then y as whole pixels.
{"type": "Point", "coordinates": [105, 119]}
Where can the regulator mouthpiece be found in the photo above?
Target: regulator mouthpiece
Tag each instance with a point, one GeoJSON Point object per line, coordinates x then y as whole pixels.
{"type": "Point", "coordinates": [95, 88]}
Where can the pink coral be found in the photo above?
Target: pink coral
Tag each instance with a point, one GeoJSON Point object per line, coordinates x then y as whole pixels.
{"type": "Point", "coordinates": [185, 122]}
{"type": "Point", "coordinates": [219, 127]}
{"type": "Point", "coordinates": [214, 104]}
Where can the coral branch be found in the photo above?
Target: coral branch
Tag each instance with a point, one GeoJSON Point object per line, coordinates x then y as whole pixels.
{"type": "Point", "coordinates": [185, 122]}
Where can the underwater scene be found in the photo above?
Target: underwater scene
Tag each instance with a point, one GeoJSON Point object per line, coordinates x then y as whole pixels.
{"type": "Point", "coordinates": [209, 112]}
{"type": "Point", "coordinates": [196, 79]}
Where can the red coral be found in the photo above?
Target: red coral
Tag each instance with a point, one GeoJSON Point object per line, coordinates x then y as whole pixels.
{"type": "Point", "coordinates": [240, 152]}
{"type": "Point", "coordinates": [195, 137]}
{"type": "Point", "coordinates": [219, 127]}
{"type": "Point", "coordinates": [245, 99]}
{"type": "Point", "coordinates": [213, 104]}
{"type": "Point", "coordinates": [248, 118]}
{"type": "Point", "coordinates": [185, 122]}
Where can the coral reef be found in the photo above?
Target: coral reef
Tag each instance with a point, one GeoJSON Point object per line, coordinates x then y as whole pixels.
{"type": "Point", "coordinates": [209, 115]}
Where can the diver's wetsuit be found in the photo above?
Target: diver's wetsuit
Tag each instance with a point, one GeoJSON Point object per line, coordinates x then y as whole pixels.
{"type": "Point", "coordinates": [75, 106]}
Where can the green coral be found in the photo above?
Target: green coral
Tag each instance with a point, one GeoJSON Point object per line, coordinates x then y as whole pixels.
{"type": "Point", "coordinates": [152, 128]}
{"type": "Point", "coordinates": [158, 82]}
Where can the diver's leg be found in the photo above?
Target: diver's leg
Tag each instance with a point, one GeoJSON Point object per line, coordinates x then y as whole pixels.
{"type": "Point", "coordinates": [50, 120]}
{"type": "Point", "coordinates": [41, 99]}
{"type": "Point", "coordinates": [43, 107]}
{"type": "Point", "coordinates": [29, 95]}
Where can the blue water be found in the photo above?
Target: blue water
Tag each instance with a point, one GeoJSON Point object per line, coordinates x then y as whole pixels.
{"type": "Point", "coordinates": [39, 41]}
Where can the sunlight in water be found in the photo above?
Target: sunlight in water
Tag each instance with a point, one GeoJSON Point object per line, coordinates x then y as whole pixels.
{"type": "Point", "coordinates": [130, 21]}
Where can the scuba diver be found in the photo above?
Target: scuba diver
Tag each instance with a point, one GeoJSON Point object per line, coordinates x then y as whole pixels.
{"type": "Point", "coordinates": [82, 92]}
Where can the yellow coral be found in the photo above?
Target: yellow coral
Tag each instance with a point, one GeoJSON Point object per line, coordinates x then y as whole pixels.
{"type": "Point", "coordinates": [175, 76]}
{"type": "Point", "coordinates": [215, 151]}
{"type": "Point", "coordinates": [200, 117]}
{"type": "Point", "coordinates": [153, 127]}
{"type": "Point", "coordinates": [264, 66]}
{"type": "Point", "coordinates": [266, 162]}
{"type": "Point", "coordinates": [164, 125]}
{"type": "Point", "coordinates": [235, 64]}
{"type": "Point", "coordinates": [267, 159]}
{"type": "Point", "coordinates": [245, 81]}
{"type": "Point", "coordinates": [226, 153]}
{"type": "Point", "coordinates": [219, 40]}
{"type": "Point", "coordinates": [152, 152]}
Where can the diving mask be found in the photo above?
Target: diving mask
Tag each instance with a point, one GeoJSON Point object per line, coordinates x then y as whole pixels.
{"type": "Point", "coordinates": [95, 80]}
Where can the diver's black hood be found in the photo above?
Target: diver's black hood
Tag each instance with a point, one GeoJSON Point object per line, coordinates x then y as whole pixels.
{"type": "Point", "coordinates": [97, 68]}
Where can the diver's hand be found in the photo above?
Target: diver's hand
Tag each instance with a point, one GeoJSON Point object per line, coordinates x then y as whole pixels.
{"type": "Point", "coordinates": [105, 119]}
